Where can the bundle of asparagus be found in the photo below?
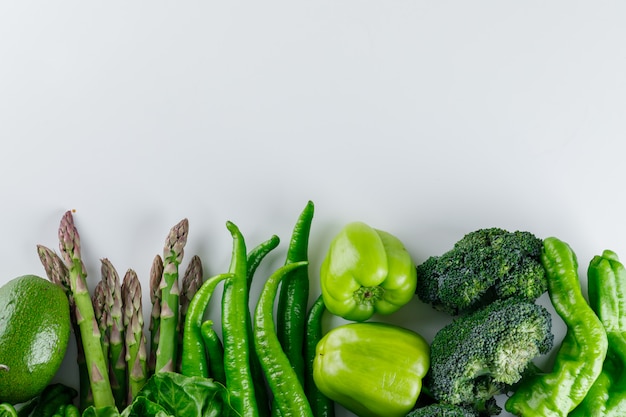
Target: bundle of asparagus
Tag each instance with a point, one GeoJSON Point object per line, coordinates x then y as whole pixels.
{"type": "Point", "coordinates": [114, 356]}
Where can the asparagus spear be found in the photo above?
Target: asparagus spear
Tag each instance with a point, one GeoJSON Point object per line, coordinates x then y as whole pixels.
{"type": "Point", "coordinates": [58, 273]}
{"type": "Point", "coordinates": [156, 272]}
{"type": "Point", "coordinates": [101, 313]}
{"type": "Point", "coordinates": [136, 354]}
{"type": "Point", "coordinates": [115, 326]}
{"type": "Point", "coordinates": [192, 280]}
{"type": "Point", "coordinates": [167, 350]}
{"type": "Point", "coordinates": [69, 244]}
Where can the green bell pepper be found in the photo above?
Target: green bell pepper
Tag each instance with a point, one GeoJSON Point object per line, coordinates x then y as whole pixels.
{"type": "Point", "coordinates": [366, 271]}
{"type": "Point", "coordinates": [372, 369]}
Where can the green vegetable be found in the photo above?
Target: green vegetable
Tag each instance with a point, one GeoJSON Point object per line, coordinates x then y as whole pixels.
{"type": "Point", "coordinates": [606, 280]}
{"type": "Point", "coordinates": [257, 254]}
{"type": "Point", "coordinates": [136, 357]}
{"type": "Point", "coordinates": [366, 271]}
{"type": "Point", "coordinates": [52, 399]}
{"type": "Point", "coordinates": [115, 332]}
{"type": "Point", "coordinates": [181, 396]}
{"type": "Point", "coordinates": [191, 282]}
{"type": "Point", "coordinates": [214, 350]}
{"type": "Point", "coordinates": [57, 272]}
{"type": "Point", "coordinates": [321, 405]}
{"type": "Point", "coordinates": [236, 330]}
{"type": "Point", "coordinates": [170, 394]}
{"type": "Point", "coordinates": [7, 410]}
{"type": "Point", "coordinates": [173, 251]}
{"type": "Point", "coordinates": [294, 294]}
{"type": "Point", "coordinates": [483, 353]}
{"type": "Point", "coordinates": [254, 259]}
{"type": "Point", "coordinates": [289, 396]}
{"type": "Point", "coordinates": [34, 334]}
{"type": "Point", "coordinates": [443, 410]}
{"type": "Point", "coordinates": [95, 361]}
{"type": "Point", "coordinates": [156, 272]}
{"type": "Point", "coordinates": [485, 265]}
{"type": "Point", "coordinates": [372, 369]}
{"type": "Point", "coordinates": [579, 359]}
{"type": "Point", "coordinates": [195, 361]}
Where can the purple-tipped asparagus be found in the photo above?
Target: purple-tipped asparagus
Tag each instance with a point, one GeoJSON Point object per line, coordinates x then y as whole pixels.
{"type": "Point", "coordinates": [69, 244]}
{"type": "Point", "coordinates": [101, 312]}
{"type": "Point", "coordinates": [192, 280]}
{"type": "Point", "coordinates": [156, 273]}
{"type": "Point", "coordinates": [58, 273]}
{"type": "Point", "coordinates": [115, 326]}
{"type": "Point", "coordinates": [136, 354]}
{"type": "Point", "coordinates": [167, 351]}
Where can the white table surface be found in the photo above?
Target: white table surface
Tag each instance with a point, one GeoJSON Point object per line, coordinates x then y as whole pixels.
{"type": "Point", "coordinates": [424, 119]}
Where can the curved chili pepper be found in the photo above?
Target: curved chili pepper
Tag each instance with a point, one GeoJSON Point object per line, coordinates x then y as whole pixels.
{"type": "Point", "coordinates": [194, 361]}
{"type": "Point", "coordinates": [321, 405]}
{"type": "Point", "coordinates": [283, 381]}
{"type": "Point", "coordinates": [579, 359]}
{"type": "Point", "coordinates": [214, 350]}
{"type": "Point", "coordinates": [255, 257]}
{"type": "Point", "coordinates": [258, 253]}
{"type": "Point", "coordinates": [294, 294]}
{"type": "Point", "coordinates": [606, 283]}
{"type": "Point", "coordinates": [7, 410]}
{"type": "Point", "coordinates": [236, 331]}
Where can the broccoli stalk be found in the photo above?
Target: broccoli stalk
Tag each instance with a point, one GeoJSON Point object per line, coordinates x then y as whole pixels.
{"type": "Point", "coordinates": [167, 351]}
{"type": "Point", "coordinates": [485, 265]}
{"type": "Point", "coordinates": [482, 354]}
{"type": "Point", "coordinates": [69, 244]}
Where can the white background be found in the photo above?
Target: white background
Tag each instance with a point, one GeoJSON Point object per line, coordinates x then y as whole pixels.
{"type": "Point", "coordinates": [425, 119]}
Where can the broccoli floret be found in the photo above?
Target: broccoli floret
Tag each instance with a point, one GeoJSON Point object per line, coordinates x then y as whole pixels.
{"type": "Point", "coordinates": [485, 265]}
{"type": "Point", "coordinates": [443, 410]}
{"type": "Point", "coordinates": [480, 355]}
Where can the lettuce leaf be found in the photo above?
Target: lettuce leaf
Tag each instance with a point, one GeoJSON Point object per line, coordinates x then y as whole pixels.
{"type": "Point", "coordinates": [170, 394]}
{"type": "Point", "coordinates": [177, 395]}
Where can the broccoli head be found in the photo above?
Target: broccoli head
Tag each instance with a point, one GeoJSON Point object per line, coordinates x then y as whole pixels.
{"type": "Point", "coordinates": [443, 410]}
{"type": "Point", "coordinates": [485, 265]}
{"type": "Point", "coordinates": [482, 354]}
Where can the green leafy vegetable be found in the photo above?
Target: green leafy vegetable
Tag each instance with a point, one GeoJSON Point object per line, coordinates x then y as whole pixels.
{"type": "Point", "coordinates": [180, 396]}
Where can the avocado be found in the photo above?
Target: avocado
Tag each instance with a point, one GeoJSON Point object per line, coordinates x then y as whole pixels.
{"type": "Point", "coordinates": [34, 334]}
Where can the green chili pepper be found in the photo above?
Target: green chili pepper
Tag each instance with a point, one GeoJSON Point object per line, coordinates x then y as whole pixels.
{"type": "Point", "coordinates": [321, 405]}
{"type": "Point", "coordinates": [236, 330]}
{"type": "Point", "coordinates": [366, 271]}
{"type": "Point", "coordinates": [606, 281]}
{"type": "Point", "coordinates": [258, 253]}
{"type": "Point", "coordinates": [579, 359]}
{"type": "Point", "coordinates": [255, 257]}
{"type": "Point", "coordinates": [294, 294]}
{"type": "Point", "coordinates": [194, 361]}
{"type": "Point", "coordinates": [372, 369]}
{"type": "Point", "coordinates": [214, 350]}
{"type": "Point", "coordinates": [7, 410]}
{"type": "Point", "coordinates": [289, 396]}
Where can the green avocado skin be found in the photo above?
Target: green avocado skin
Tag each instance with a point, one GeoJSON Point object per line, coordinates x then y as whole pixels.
{"type": "Point", "coordinates": [34, 334]}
